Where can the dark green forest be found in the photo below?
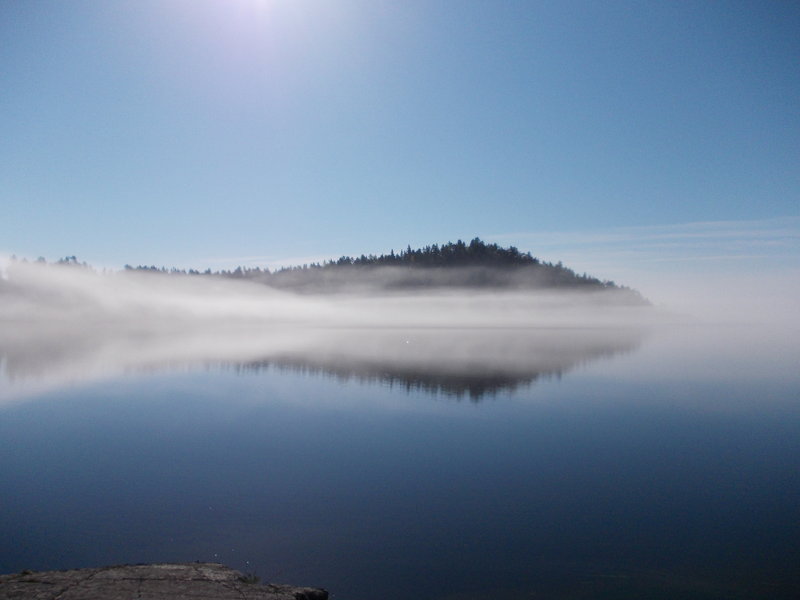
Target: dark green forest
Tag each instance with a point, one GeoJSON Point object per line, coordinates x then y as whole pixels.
{"type": "Point", "coordinates": [475, 265]}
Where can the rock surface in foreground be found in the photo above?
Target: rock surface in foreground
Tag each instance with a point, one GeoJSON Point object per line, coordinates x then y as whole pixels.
{"type": "Point", "coordinates": [147, 582]}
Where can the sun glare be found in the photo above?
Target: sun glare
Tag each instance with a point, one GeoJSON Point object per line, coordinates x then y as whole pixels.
{"type": "Point", "coordinates": [259, 7]}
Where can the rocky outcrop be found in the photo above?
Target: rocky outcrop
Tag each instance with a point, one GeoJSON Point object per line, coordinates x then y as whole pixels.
{"type": "Point", "coordinates": [148, 582]}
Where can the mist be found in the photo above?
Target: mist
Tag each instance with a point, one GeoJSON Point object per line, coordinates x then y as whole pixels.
{"type": "Point", "coordinates": [154, 397]}
{"type": "Point", "coordinates": [65, 324]}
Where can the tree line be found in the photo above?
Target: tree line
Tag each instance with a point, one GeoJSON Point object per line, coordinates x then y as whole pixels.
{"type": "Point", "coordinates": [454, 264]}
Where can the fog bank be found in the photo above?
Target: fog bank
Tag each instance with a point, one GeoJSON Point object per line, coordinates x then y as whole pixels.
{"type": "Point", "coordinates": [57, 296]}
{"type": "Point", "coordinates": [67, 323]}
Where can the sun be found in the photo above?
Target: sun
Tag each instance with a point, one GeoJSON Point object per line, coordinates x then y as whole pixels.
{"type": "Point", "coordinates": [260, 6]}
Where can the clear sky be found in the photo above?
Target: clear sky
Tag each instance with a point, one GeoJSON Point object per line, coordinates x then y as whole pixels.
{"type": "Point", "coordinates": [196, 133]}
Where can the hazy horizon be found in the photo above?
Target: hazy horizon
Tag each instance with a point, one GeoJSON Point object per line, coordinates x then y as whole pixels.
{"type": "Point", "coordinates": [62, 324]}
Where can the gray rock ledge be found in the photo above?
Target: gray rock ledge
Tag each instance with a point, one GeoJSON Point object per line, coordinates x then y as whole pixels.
{"type": "Point", "coordinates": [207, 581]}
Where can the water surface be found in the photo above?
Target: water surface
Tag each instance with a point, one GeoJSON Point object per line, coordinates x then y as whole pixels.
{"type": "Point", "coordinates": [567, 463]}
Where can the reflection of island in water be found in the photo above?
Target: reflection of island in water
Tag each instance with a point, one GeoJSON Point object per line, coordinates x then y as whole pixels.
{"type": "Point", "coordinates": [460, 362]}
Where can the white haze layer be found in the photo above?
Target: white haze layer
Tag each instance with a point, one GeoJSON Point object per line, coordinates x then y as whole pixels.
{"type": "Point", "coordinates": [65, 324]}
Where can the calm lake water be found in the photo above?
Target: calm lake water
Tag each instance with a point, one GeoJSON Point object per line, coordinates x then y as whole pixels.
{"type": "Point", "coordinates": [640, 465]}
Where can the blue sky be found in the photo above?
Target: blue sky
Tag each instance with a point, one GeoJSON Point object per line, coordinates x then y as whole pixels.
{"type": "Point", "coordinates": [211, 133]}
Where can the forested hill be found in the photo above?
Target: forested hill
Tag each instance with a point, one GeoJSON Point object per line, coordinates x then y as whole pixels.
{"type": "Point", "coordinates": [476, 265]}
{"type": "Point", "coordinates": [459, 254]}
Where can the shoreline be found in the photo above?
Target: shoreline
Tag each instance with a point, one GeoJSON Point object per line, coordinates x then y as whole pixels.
{"type": "Point", "coordinates": [156, 581]}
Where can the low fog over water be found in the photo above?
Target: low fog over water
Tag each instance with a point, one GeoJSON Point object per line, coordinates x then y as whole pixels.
{"type": "Point", "coordinates": [67, 323]}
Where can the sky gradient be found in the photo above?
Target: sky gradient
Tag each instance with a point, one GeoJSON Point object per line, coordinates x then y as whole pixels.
{"type": "Point", "coordinates": [624, 138]}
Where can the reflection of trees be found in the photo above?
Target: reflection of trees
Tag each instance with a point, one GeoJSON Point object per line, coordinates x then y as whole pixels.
{"type": "Point", "coordinates": [463, 363]}
{"type": "Point", "coordinates": [474, 387]}
{"type": "Point", "coordinates": [489, 362]}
